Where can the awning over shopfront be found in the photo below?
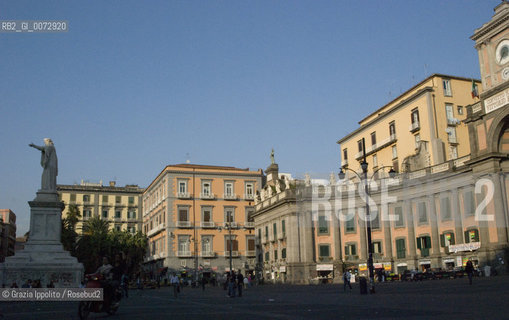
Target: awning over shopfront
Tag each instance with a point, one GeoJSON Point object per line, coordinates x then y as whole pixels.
{"type": "Point", "coordinates": [324, 267]}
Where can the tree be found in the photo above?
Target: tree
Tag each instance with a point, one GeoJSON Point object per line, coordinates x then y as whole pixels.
{"type": "Point", "coordinates": [68, 234]}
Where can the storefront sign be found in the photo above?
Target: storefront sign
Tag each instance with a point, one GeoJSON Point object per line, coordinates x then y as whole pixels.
{"type": "Point", "coordinates": [363, 267]}
{"type": "Point", "coordinates": [324, 267]}
{"type": "Point", "coordinates": [497, 101]}
{"type": "Point", "coordinates": [387, 266]}
{"type": "Point", "coordinates": [424, 262]}
{"type": "Point", "coordinates": [464, 247]}
{"type": "Point", "coordinates": [402, 264]}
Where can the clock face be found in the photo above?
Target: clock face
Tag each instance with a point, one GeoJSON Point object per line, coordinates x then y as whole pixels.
{"type": "Point", "coordinates": [502, 54]}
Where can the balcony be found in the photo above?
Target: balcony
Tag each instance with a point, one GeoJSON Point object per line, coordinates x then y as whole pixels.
{"type": "Point", "coordinates": [344, 162]}
{"type": "Point", "coordinates": [184, 224]}
{"type": "Point", "coordinates": [453, 122]}
{"type": "Point", "coordinates": [232, 225]}
{"type": "Point", "coordinates": [156, 230]}
{"type": "Point", "coordinates": [208, 224]}
{"type": "Point", "coordinates": [281, 235]}
{"type": "Point", "coordinates": [249, 196]}
{"type": "Point", "coordinates": [207, 196]}
{"type": "Point", "coordinates": [272, 238]}
{"type": "Point", "coordinates": [229, 196]}
{"type": "Point", "coordinates": [415, 126]}
{"type": "Point", "coordinates": [235, 254]}
{"type": "Point", "coordinates": [183, 195]}
{"type": "Point", "coordinates": [249, 224]}
{"type": "Point", "coordinates": [250, 253]}
{"type": "Point", "coordinates": [208, 254]}
{"type": "Point", "coordinates": [351, 258]}
{"type": "Point", "coordinates": [184, 254]}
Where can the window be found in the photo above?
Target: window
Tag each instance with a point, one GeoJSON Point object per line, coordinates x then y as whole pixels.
{"type": "Point", "coordinates": [206, 188]}
{"type": "Point", "coordinates": [377, 247]}
{"type": "Point", "coordinates": [392, 130]}
{"type": "Point", "coordinates": [447, 239]}
{"type": "Point", "coordinates": [229, 214]}
{"type": "Point", "coordinates": [275, 254]}
{"type": "Point", "coordinates": [249, 214]}
{"type": "Point", "coordinates": [131, 200]}
{"type": "Point", "coordinates": [375, 161]}
{"type": "Point", "coordinates": [454, 152]}
{"type": "Point", "coordinates": [400, 248]}
{"type": "Point", "coordinates": [234, 243]}
{"type": "Point", "coordinates": [184, 244]}
{"type": "Point", "coordinates": [373, 138]}
{"type": "Point", "coordinates": [417, 140]}
{"type": "Point", "coordinates": [394, 152]}
{"type": "Point", "coordinates": [472, 236]}
{"type": "Point", "coordinates": [398, 212]}
{"type": "Point", "coordinates": [449, 113]}
{"type": "Point", "coordinates": [183, 214]}
{"type": "Point", "coordinates": [283, 253]}
{"type": "Point", "coordinates": [267, 256]}
{"type": "Point", "coordinates": [206, 214]}
{"type": "Point", "coordinates": [274, 226]}
{"type": "Point", "coordinates": [118, 214]}
{"type": "Point", "coordinates": [117, 199]}
{"type": "Point", "coordinates": [206, 244]}
{"type": "Point", "coordinates": [250, 243]}
{"type": "Point", "coordinates": [345, 154]}
{"type": "Point", "coordinates": [87, 213]}
{"type": "Point", "coordinates": [73, 198]}
{"type": "Point", "coordinates": [86, 198]}
{"type": "Point", "coordinates": [266, 232]}
{"type": "Point", "coordinates": [131, 214]}
{"type": "Point", "coordinates": [415, 117]}
{"type": "Point", "coordinates": [350, 224]}
{"type": "Point", "coordinates": [324, 250]}
{"type": "Point", "coordinates": [323, 225]}
{"type": "Point", "coordinates": [447, 87]}
{"type": "Point", "coordinates": [375, 219]}
{"type": "Point", "coordinates": [460, 110]}
{"type": "Point", "coordinates": [131, 229]}
{"type": "Point", "coordinates": [351, 249]}
{"type": "Point", "coordinates": [451, 134]}
{"type": "Point", "coordinates": [423, 214]}
{"type": "Point", "coordinates": [105, 214]}
{"type": "Point", "coordinates": [182, 186]}
{"type": "Point", "coordinates": [228, 189]}
{"type": "Point", "coordinates": [249, 190]}
{"type": "Point", "coordinates": [424, 244]}
{"type": "Point", "coordinates": [117, 227]}
{"type": "Point", "coordinates": [359, 145]}
{"type": "Point", "coordinates": [283, 227]}
{"type": "Point", "coordinates": [105, 199]}
{"type": "Point", "coordinates": [445, 208]}
{"type": "Point", "coordinates": [468, 203]}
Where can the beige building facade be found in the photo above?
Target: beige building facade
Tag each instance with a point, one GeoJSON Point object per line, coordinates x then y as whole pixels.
{"type": "Point", "coordinates": [121, 206]}
{"type": "Point", "coordinates": [7, 233]}
{"type": "Point", "coordinates": [422, 127]}
{"type": "Point", "coordinates": [198, 217]}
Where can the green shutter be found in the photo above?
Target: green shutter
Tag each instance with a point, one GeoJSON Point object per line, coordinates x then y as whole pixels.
{"type": "Point", "coordinates": [419, 243]}
{"type": "Point", "coordinates": [476, 235]}
{"type": "Point", "coordinates": [467, 237]}
{"type": "Point", "coordinates": [428, 242]}
{"type": "Point", "coordinates": [453, 241]}
{"type": "Point", "coordinates": [347, 252]}
{"type": "Point", "coordinates": [442, 240]}
{"type": "Point", "coordinates": [354, 250]}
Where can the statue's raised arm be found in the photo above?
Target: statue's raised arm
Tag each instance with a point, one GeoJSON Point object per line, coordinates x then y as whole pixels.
{"type": "Point", "coordinates": [49, 163]}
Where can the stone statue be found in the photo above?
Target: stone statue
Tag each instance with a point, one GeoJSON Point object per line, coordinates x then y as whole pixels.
{"type": "Point", "coordinates": [307, 179]}
{"type": "Point", "coordinates": [272, 157]}
{"type": "Point", "coordinates": [49, 163]}
{"type": "Point", "coordinates": [287, 183]}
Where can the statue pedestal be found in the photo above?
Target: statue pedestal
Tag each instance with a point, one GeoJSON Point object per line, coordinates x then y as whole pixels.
{"type": "Point", "coordinates": [44, 257]}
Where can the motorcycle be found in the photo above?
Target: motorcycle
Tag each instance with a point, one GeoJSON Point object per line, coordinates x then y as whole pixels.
{"type": "Point", "coordinates": [110, 307]}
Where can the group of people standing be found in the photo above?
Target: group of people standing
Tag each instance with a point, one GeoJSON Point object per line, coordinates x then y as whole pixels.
{"type": "Point", "coordinates": [234, 283]}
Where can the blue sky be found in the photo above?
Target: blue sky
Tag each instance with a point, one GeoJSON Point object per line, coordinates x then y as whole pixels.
{"type": "Point", "coordinates": [136, 85]}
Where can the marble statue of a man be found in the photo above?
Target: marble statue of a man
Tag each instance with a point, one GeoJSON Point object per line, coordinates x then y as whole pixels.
{"type": "Point", "coordinates": [49, 163]}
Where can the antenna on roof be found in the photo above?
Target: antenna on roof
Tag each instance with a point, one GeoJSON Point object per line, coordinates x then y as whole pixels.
{"type": "Point", "coordinates": [188, 160]}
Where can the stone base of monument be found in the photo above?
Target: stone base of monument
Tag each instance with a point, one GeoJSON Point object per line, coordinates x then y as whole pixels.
{"type": "Point", "coordinates": [44, 257]}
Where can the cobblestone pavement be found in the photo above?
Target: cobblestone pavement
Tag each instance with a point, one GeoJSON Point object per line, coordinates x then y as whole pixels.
{"type": "Point", "coordinates": [487, 298]}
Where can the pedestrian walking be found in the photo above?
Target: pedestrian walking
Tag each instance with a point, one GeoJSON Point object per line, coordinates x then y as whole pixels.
{"type": "Point", "coordinates": [175, 283]}
{"type": "Point", "coordinates": [469, 269]}
{"type": "Point", "coordinates": [232, 285]}
{"type": "Point", "coordinates": [203, 282]}
{"type": "Point", "coordinates": [240, 283]}
{"type": "Point", "coordinates": [346, 280]}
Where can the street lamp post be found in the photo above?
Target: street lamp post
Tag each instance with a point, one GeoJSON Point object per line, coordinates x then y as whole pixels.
{"type": "Point", "coordinates": [341, 175]}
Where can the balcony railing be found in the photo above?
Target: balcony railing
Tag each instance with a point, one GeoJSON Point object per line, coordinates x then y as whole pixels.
{"type": "Point", "coordinates": [232, 225]}
{"type": "Point", "coordinates": [207, 196]}
{"type": "Point", "coordinates": [352, 258]}
{"type": "Point", "coordinates": [229, 196]}
{"type": "Point", "coordinates": [414, 126]}
{"type": "Point", "coordinates": [249, 224]}
{"type": "Point", "coordinates": [344, 162]}
{"type": "Point", "coordinates": [250, 253]}
{"type": "Point", "coordinates": [249, 196]}
{"type": "Point", "coordinates": [155, 230]}
{"type": "Point", "coordinates": [208, 224]}
{"type": "Point", "coordinates": [234, 253]}
{"type": "Point", "coordinates": [208, 254]}
{"type": "Point", "coordinates": [183, 195]}
{"type": "Point", "coordinates": [281, 235]}
{"type": "Point", "coordinates": [183, 254]}
{"type": "Point", "coordinates": [184, 224]}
